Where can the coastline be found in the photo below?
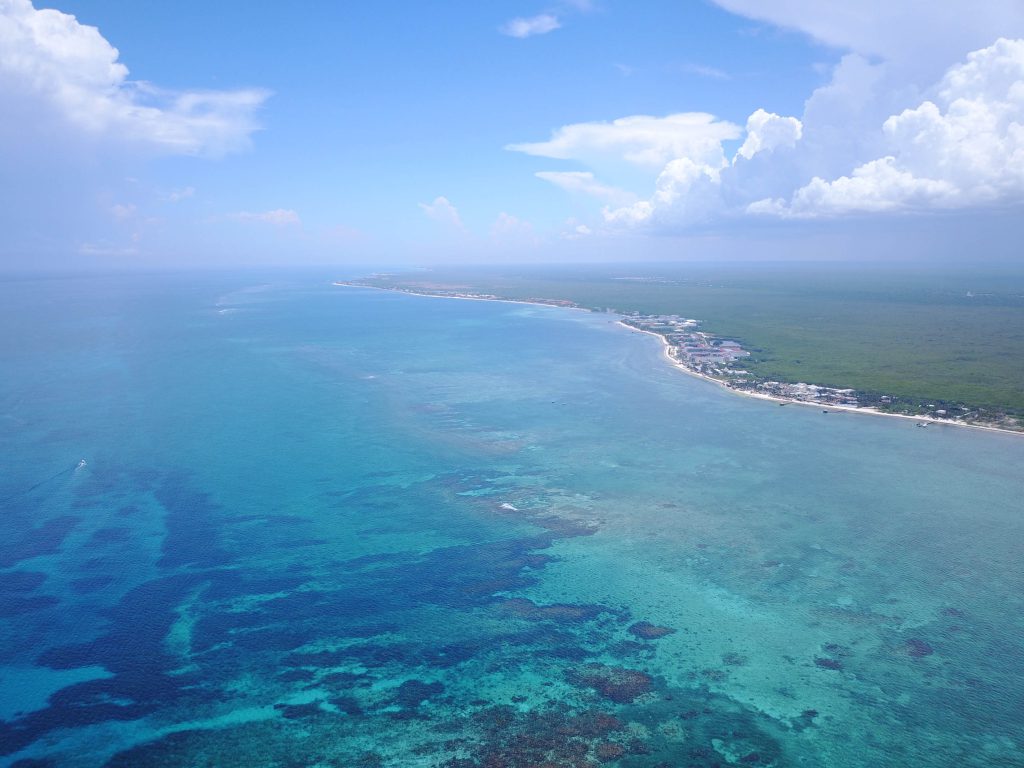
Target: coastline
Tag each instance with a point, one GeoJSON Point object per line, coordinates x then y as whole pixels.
{"type": "Point", "coordinates": [922, 421]}
{"type": "Point", "coordinates": [867, 410]}
{"type": "Point", "coordinates": [342, 284]}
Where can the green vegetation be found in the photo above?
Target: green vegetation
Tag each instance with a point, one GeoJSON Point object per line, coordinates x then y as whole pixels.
{"type": "Point", "coordinates": [926, 336]}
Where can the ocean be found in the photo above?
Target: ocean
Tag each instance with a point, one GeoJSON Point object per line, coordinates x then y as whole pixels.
{"type": "Point", "coordinates": [261, 520]}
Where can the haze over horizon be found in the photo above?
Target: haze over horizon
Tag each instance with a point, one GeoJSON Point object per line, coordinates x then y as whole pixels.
{"type": "Point", "coordinates": [575, 130]}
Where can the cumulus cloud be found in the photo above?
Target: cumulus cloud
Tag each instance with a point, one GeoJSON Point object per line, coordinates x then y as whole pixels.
{"type": "Point", "coordinates": [688, 190]}
{"type": "Point", "coordinates": [527, 27]}
{"type": "Point", "coordinates": [54, 68]}
{"type": "Point", "coordinates": [639, 139]}
{"type": "Point", "coordinates": [443, 211]}
{"type": "Point", "coordinates": [964, 148]}
{"type": "Point", "coordinates": [767, 131]}
{"type": "Point", "coordinates": [687, 148]}
{"type": "Point", "coordinates": [279, 217]}
{"type": "Point", "coordinates": [685, 193]}
{"type": "Point", "coordinates": [869, 142]}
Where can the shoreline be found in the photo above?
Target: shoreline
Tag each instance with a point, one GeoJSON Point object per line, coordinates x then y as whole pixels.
{"type": "Point", "coordinates": [666, 348]}
{"type": "Point", "coordinates": [866, 410]}
{"type": "Point", "coordinates": [341, 284]}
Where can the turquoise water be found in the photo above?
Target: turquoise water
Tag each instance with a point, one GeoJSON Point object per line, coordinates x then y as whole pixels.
{"type": "Point", "coordinates": [324, 526]}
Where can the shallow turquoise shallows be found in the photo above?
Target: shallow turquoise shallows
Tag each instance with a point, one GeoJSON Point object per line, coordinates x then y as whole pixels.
{"type": "Point", "coordinates": [267, 521]}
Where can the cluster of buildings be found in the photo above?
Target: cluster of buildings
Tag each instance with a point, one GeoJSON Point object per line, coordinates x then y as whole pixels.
{"type": "Point", "coordinates": [807, 393]}
{"type": "Point", "coordinates": [708, 355]}
{"type": "Point", "coordinates": [698, 351]}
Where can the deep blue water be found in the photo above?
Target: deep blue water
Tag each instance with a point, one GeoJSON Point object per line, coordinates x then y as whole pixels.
{"type": "Point", "coordinates": [273, 522]}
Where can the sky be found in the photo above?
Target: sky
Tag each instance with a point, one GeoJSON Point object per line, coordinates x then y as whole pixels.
{"type": "Point", "coordinates": [231, 133]}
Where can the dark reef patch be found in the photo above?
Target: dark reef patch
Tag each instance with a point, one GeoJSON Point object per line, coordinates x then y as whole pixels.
{"type": "Point", "coordinates": [647, 631]}
{"type": "Point", "coordinates": [607, 751]}
{"type": "Point", "coordinates": [18, 605]}
{"type": "Point", "coordinates": [560, 612]}
{"type": "Point", "coordinates": [917, 648]}
{"type": "Point", "coordinates": [453, 654]}
{"type": "Point", "coordinates": [733, 659]}
{"type": "Point", "coordinates": [412, 693]}
{"type": "Point", "coordinates": [349, 705]}
{"type": "Point", "coordinates": [192, 523]}
{"type": "Point", "coordinates": [617, 684]}
{"type": "Point", "coordinates": [299, 711]}
{"type": "Point", "coordinates": [227, 585]}
{"type": "Point", "coordinates": [20, 581]}
{"type": "Point", "coordinates": [628, 648]}
{"type": "Point", "coordinates": [535, 739]}
{"type": "Point", "coordinates": [132, 650]}
{"type": "Point", "coordinates": [115, 535]}
{"type": "Point", "coordinates": [44, 539]}
{"type": "Point", "coordinates": [344, 680]}
{"type": "Point", "coordinates": [32, 762]}
{"type": "Point", "coordinates": [563, 528]}
{"type": "Point", "coordinates": [837, 650]}
{"type": "Point", "coordinates": [296, 676]}
{"type": "Point", "coordinates": [89, 584]}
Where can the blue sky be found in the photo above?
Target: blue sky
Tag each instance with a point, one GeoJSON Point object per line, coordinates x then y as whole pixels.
{"type": "Point", "coordinates": [233, 133]}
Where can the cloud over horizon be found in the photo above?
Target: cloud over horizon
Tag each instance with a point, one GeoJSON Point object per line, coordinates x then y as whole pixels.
{"type": "Point", "coordinates": [55, 70]}
{"type": "Point", "coordinates": [441, 210]}
{"type": "Point", "coordinates": [964, 148]}
{"type": "Point", "coordinates": [866, 144]}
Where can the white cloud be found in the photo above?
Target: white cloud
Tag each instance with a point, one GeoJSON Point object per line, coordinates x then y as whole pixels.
{"type": "Point", "coordinates": [122, 211]}
{"type": "Point", "coordinates": [177, 195]}
{"type": "Point", "coordinates": [534, 25]}
{"type": "Point", "coordinates": [705, 71]}
{"type": "Point", "coordinates": [686, 147]}
{"type": "Point", "coordinates": [893, 130]}
{"type": "Point", "coordinates": [576, 230]}
{"type": "Point", "coordinates": [858, 149]}
{"type": "Point", "coordinates": [584, 182]}
{"type": "Point", "coordinates": [921, 36]}
{"type": "Point", "coordinates": [279, 217]}
{"type": "Point", "coordinates": [639, 139]}
{"type": "Point", "coordinates": [54, 68]}
{"type": "Point", "coordinates": [685, 193]}
{"type": "Point", "coordinates": [443, 211]}
{"type": "Point", "coordinates": [767, 131]}
{"type": "Point", "coordinates": [965, 148]}
{"type": "Point", "coordinates": [583, 6]}
{"type": "Point", "coordinates": [511, 230]}
{"type": "Point", "coordinates": [106, 250]}
{"type": "Point", "coordinates": [879, 185]}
